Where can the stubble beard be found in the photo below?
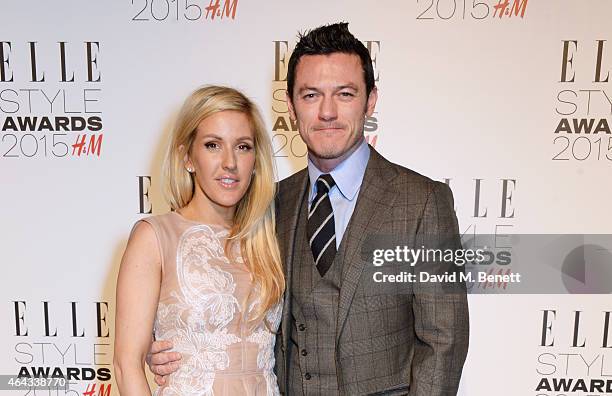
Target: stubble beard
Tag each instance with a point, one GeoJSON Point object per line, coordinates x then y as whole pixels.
{"type": "Point", "coordinates": [334, 152]}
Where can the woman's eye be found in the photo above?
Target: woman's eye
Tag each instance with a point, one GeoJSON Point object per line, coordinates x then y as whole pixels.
{"type": "Point", "coordinates": [211, 145]}
{"type": "Point", "coordinates": [244, 147]}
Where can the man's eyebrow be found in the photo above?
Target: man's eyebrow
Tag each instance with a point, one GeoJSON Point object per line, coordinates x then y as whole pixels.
{"type": "Point", "coordinates": [307, 88]}
{"type": "Point", "coordinates": [348, 86]}
{"type": "Point", "coordinates": [338, 88]}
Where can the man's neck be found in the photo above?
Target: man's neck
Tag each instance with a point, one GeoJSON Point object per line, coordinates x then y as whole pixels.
{"type": "Point", "coordinates": [327, 165]}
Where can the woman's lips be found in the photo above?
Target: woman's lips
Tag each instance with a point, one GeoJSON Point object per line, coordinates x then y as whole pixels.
{"type": "Point", "coordinates": [228, 182]}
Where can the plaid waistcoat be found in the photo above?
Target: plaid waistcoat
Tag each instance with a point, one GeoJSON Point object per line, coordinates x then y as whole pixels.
{"type": "Point", "coordinates": [312, 370]}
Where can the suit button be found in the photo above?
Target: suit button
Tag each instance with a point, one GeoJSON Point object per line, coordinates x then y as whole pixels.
{"type": "Point", "coordinates": [307, 376]}
{"type": "Point", "coordinates": [304, 352]}
{"type": "Point", "coordinates": [301, 327]}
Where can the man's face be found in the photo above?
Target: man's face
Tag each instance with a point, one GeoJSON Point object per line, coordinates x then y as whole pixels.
{"type": "Point", "coordinates": [330, 104]}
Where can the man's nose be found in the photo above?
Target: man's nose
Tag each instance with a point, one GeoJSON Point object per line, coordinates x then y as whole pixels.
{"type": "Point", "coordinates": [328, 110]}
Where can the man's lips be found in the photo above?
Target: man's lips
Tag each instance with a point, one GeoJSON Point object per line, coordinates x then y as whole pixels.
{"type": "Point", "coordinates": [328, 129]}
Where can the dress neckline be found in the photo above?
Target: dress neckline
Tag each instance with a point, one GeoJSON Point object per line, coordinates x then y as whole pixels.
{"type": "Point", "coordinates": [180, 216]}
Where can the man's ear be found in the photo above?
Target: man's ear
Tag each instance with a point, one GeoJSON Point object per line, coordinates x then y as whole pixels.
{"type": "Point", "coordinates": [290, 106]}
{"type": "Point", "coordinates": [371, 103]}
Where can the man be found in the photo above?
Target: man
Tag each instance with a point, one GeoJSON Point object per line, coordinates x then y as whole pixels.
{"type": "Point", "coordinates": [339, 335]}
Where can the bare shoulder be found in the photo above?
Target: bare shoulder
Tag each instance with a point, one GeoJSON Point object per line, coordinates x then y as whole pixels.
{"type": "Point", "coordinates": [142, 247]}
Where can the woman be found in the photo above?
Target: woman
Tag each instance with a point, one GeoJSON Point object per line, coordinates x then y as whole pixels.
{"type": "Point", "coordinates": [207, 275]}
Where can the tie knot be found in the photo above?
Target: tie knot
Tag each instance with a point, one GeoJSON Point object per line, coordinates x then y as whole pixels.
{"type": "Point", "coordinates": [325, 183]}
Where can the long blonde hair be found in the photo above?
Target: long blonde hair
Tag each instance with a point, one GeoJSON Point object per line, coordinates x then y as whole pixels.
{"type": "Point", "coordinates": [254, 218]}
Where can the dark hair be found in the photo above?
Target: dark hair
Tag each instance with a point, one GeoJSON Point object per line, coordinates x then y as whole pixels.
{"type": "Point", "coordinates": [325, 40]}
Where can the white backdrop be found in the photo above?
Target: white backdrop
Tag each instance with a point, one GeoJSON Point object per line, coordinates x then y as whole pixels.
{"type": "Point", "coordinates": [471, 92]}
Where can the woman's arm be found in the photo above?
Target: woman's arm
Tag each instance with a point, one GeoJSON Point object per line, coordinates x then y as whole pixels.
{"type": "Point", "coordinates": [138, 287]}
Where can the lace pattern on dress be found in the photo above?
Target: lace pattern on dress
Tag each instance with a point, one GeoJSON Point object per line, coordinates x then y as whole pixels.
{"type": "Point", "coordinates": [202, 315]}
{"type": "Point", "coordinates": [204, 306]}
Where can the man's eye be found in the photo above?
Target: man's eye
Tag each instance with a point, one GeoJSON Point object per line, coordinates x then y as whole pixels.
{"type": "Point", "coordinates": [211, 145]}
{"type": "Point", "coordinates": [309, 96]}
{"type": "Point", "coordinates": [346, 94]}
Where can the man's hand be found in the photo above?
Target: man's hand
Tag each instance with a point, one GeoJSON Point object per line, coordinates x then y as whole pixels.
{"type": "Point", "coordinates": [161, 362]}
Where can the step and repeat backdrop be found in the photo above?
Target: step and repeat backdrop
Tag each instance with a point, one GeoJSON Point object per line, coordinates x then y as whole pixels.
{"type": "Point", "coordinates": [507, 101]}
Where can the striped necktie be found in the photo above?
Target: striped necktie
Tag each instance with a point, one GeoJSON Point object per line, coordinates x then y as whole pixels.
{"type": "Point", "coordinates": [321, 228]}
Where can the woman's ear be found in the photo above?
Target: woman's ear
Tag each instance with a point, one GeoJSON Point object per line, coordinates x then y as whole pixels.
{"type": "Point", "coordinates": [186, 160]}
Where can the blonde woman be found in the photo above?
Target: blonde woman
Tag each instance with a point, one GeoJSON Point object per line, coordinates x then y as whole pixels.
{"type": "Point", "coordinates": [206, 276]}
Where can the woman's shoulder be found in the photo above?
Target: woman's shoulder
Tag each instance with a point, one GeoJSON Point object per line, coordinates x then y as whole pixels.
{"type": "Point", "coordinates": [143, 242]}
{"type": "Point", "coordinates": [153, 235]}
{"type": "Point", "coordinates": [159, 218]}
{"type": "Point", "coordinates": [157, 226]}
{"type": "Point", "coordinates": [172, 226]}
{"type": "Point", "coordinates": [166, 221]}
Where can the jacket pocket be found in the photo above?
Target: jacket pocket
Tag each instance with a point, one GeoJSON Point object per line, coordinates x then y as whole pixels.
{"type": "Point", "coordinates": [397, 390]}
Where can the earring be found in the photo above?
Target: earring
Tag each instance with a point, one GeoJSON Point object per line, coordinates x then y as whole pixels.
{"type": "Point", "coordinates": [190, 169]}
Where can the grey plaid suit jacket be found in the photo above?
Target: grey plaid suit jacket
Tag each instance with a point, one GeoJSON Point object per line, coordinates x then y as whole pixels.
{"type": "Point", "coordinates": [411, 343]}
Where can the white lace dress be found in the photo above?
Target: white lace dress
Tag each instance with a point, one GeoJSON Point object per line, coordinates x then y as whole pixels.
{"type": "Point", "coordinates": [204, 305]}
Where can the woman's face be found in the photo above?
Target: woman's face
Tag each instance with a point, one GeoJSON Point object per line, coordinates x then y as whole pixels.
{"type": "Point", "coordinates": [222, 158]}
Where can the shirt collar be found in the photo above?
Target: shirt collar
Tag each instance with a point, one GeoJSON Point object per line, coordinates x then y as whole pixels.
{"type": "Point", "coordinates": [348, 175]}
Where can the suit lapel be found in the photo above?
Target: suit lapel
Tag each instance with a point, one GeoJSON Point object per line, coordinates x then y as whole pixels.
{"type": "Point", "coordinates": [376, 197]}
{"type": "Point", "coordinates": [289, 212]}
